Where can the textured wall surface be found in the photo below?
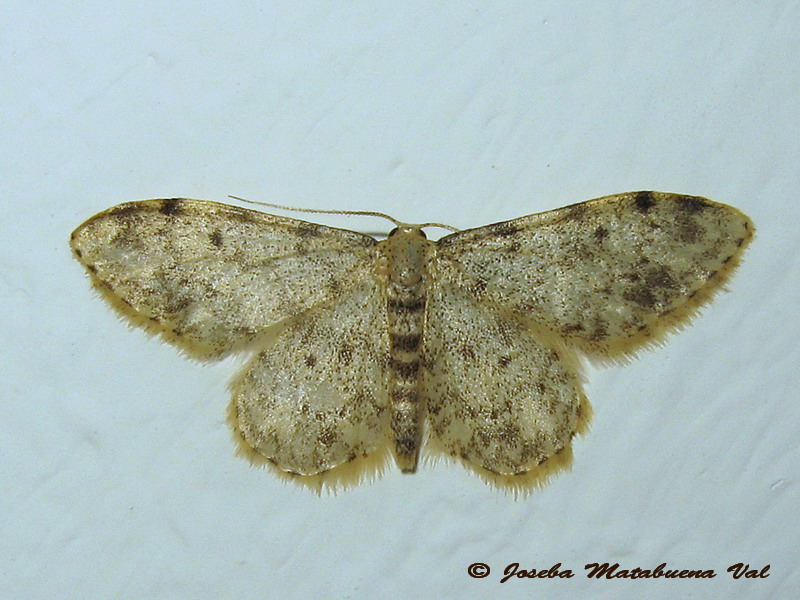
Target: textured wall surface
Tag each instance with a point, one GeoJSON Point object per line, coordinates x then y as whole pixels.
{"type": "Point", "coordinates": [118, 476]}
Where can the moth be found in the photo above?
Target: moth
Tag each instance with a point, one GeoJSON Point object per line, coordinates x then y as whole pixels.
{"type": "Point", "coordinates": [468, 347]}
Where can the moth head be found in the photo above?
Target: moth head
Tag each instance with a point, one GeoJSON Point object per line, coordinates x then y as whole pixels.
{"type": "Point", "coordinates": [415, 230]}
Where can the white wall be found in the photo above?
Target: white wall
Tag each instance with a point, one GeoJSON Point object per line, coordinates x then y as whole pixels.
{"type": "Point", "coordinates": [118, 477]}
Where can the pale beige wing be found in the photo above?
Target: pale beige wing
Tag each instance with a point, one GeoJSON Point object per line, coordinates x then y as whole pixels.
{"type": "Point", "coordinates": [501, 400]}
{"type": "Point", "coordinates": [316, 397]}
{"type": "Point", "coordinates": [606, 276]}
{"type": "Point", "coordinates": [209, 277]}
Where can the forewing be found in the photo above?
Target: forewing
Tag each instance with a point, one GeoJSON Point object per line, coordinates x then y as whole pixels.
{"type": "Point", "coordinates": [316, 397]}
{"type": "Point", "coordinates": [608, 275]}
{"type": "Point", "coordinates": [501, 400]}
{"type": "Point", "coordinates": [211, 277]}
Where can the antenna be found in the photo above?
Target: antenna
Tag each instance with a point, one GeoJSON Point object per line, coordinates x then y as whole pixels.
{"type": "Point", "coordinates": [363, 213]}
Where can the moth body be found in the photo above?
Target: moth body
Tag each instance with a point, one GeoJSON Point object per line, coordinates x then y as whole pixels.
{"type": "Point", "coordinates": [407, 253]}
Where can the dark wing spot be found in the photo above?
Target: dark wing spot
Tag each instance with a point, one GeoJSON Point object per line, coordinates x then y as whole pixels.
{"type": "Point", "coordinates": [660, 277]}
{"type": "Point", "coordinates": [244, 331]}
{"type": "Point", "coordinates": [688, 230]}
{"type": "Point", "coordinates": [575, 211]}
{"type": "Point", "coordinates": [509, 432]}
{"type": "Point", "coordinates": [482, 437]}
{"type": "Point", "coordinates": [692, 204]}
{"type": "Point", "coordinates": [311, 360]}
{"type": "Point", "coordinates": [640, 295]}
{"type": "Point", "coordinates": [123, 209]}
{"type": "Point", "coordinates": [307, 230]}
{"type": "Point", "coordinates": [467, 351]}
{"type": "Point", "coordinates": [177, 304]}
{"type": "Point", "coordinates": [644, 201]}
{"type": "Point", "coordinates": [216, 238]}
{"type": "Point", "coordinates": [479, 287]}
{"type": "Point", "coordinates": [346, 353]}
{"type": "Point", "coordinates": [632, 276]}
{"type": "Point", "coordinates": [171, 207]}
{"type": "Point", "coordinates": [505, 229]}
{"type": "Point", "coordinates": [599, 333]}
{"type": "Point", "coordinates": [329, 436]}
{"type": "Point", "coordinates": [504, 361]}
{"type": "Point", "coordinates": [301, 248]}
{"type": "Point", "coordinates": [571, 328]}
{"type": "Point", "coordinates": [600, 234]}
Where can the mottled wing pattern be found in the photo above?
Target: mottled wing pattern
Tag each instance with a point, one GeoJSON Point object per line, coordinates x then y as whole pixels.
{"type": "Point", "coordinates": [317, 396]}
{"type": "Point", "coordinates": [210, 278]}
{"type": "Point", "coordinates": [608, 275]}
{"type": "Point", "coordinates": [498, 397]}
{"type": "Point", "coordinates": [511, 303]}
